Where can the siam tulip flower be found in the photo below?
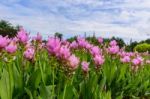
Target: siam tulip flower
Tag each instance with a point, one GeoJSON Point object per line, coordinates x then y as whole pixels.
{"type": "Point", "coordinates": [85, 66]}
{"type": "Point", "coordinates": [99, 60]}
{"type": "Point", "coordinates": [74, 45]}
{"type": "Point", "coordinates": [29, 53]}
{"type": "Point", "coordinates": [73, 62]}
{"type": "Point", "coordinates": [64, 52]}
{"type": "Point", "coordinates": [23, 36]}
{"type": "Point", "coordinates": [113, 49]}
{"type": "Point", "coordinates": [100, 40]}
{"type": "Point", "coordinates": [125, 59]}
{"type": "Point", "coordinates": [65, 42]}
{"type": "Point", "coordinates": [137, 61]}
{"type": "Point", "coordinates": [88, 46]}
{"type": "Point", "coordinates": [95, 50]}
{"type": "Point", "coordinates": [82, 42]}
{"type": "Point", "coordinates": [38, 37]}
{"type": "Point", "coordinates": [113, 43]}
{"type": "Point", "coordinates": [53, 45]}
{"type": "Point", "coordinates": [11, 48]}
{"type": "Point", "coordinates": [3, 41]}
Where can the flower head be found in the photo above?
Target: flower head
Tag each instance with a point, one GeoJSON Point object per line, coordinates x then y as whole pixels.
{"type": "Point", "coordinates": [73, 62]}
{"type": "Point", "coordinates": [23, 36]}
{"type": "Point", "coordinates": [11, 48]}
{"type": "Point", "coordinates": [125, 59]}
{"type": "Point", "coordinates": [3, 41]}
{"type": "Point", "coordinates": [99, 60]}
{"type": "Point", "coordinates": [85, 66]}
{"type": "Point", "coordinates": [38, 37]}
{"type": "Point", "coordinates": [113, 43]}
{"type": "Point", "coordinates": [29, 53]}
{"type": "Point", "coordinates": [64, 52]}
{"type": "Point", "coordinates": [100, 40]}
{"type": "Point", "coordinates": [113, 49]}
{"type": "Point", "coordinates": [53, 45]}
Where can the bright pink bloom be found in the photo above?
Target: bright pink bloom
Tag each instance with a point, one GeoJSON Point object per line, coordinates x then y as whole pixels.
{"type": "Point", "coordinates": [3, 41]}
{"type": "Point", "coordinates": [73, 61]}
{"type": "Point", "coordinates": [11, 48]}
{"type": "Point", "coordinates": [100, 40]}
{"type": "Point", "coordinates": [38, 37]}
{"type": "Point", "coordinates": [113, 49]}
{"type": "Point", "coordinates": [82, 42]}
{"type": "Point", "coordinates": [137, 61]}
{"type": "Point", "coordinates": [113, 43]}
{"type": "Point", "coordinates": [64, 52]}
{"type": "Point", "coordinates": [29, 53]}
{"type": "Point", "coordinates": [53, 45]}
{"type": "Point", "coordinates": [125, 59]}
{"type": "Point", "coordinates": [23, 36]}
{"type": "Point", "coordinates": [85, 66]}
{"type": "Point", "coordinates": [74, 44]}
{"type": "Point", "coordinates": [95, 50]}
{"type": "Point", "coordinates": [99, 60]}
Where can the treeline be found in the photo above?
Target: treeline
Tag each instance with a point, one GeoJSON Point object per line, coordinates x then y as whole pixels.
{"type": "Point", "coordinates": [7, 28]}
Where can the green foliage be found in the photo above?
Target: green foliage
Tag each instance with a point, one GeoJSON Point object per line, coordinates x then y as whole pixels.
{"type": "Point", "coordinates": [142, 47]}
{"type": "Point", "coordinates": [6, 28]}
{"type": "Point", "coordinates": [59, 35]}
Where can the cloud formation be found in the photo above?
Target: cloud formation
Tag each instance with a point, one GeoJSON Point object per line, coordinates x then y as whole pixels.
{"type": "Point", "coordinates": [122, 18]}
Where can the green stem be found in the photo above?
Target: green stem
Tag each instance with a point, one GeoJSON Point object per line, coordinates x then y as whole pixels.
{"type": "Point", "coordinates": [53, 82]}
{"type": "Point", "coordinates": [64, 91]}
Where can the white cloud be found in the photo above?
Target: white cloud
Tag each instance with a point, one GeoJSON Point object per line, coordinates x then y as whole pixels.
{"type": "Point", "coordinates": [125, 19]}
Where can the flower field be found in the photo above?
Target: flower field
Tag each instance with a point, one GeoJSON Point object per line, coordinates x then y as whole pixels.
{"type": "Point", "coordinates": [59, 69]}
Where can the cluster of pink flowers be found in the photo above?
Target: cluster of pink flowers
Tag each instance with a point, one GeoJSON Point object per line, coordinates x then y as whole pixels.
{"type": "Point", "coordinates": [23, 36]}
{"type": "Point", "coordinates": [95, 51]}
{"type": "Point", "coordinates": [62, 51]}
{"type": "Point", "coordinates": [113, 48]}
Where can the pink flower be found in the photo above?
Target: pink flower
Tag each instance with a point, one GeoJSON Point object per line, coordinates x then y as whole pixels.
{"type": "Point", "coordinates": [64, 52]}
{"type": "Point", "coordinates": [125, 59]}
{"type": "Point", "coordinates": [74, 44]}
{"type": "Point", "coordinates": [113, 49]}
{"type": "Point", "coordinates": [99, 60]}
{"type": "Point", "coordinates": [85, 66]}
{"type": "Point", "coordinates": [29, 53]}
{"type": "Point", "coordinates": [38, 37]}
{"type": "Point", "coordinates": [73, 61]}
{"type": "Point", "coordinates": [22, 36]}
{"type": "Point", "coordinates": [137, 61]}
{"type": "Point", "coordinates": [82, 42]}
{"type": "Point", "coordinates": [11, 48]}
{"type": "Point", "coordinates": [53, 45]}
{"type": "Point", "coordinates": [3, 41]}
{"type": "Point", "coordinates": [100, 40]}
{"type": "Point", "coordinates": [95, 50]}
{"type": "Point", "coordinates": [113, 43]}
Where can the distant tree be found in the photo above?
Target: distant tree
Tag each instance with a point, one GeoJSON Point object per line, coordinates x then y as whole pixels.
{"type": "Point", "coordinates": [6, 28]}
{"type": "Point", "coordinates": [72, 39]}
{"type": "Point", "coordinates": [59, 35]}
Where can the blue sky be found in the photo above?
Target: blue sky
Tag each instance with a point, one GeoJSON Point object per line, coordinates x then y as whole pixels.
{"type": "Point", "coordinates": [122, 18]}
